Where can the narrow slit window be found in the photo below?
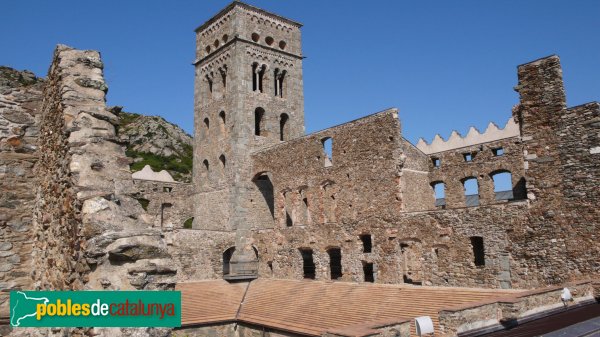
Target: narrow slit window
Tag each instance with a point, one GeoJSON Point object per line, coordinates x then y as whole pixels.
{"type": "Point", "coordinates": [259, 121]}
{"type": "Point", "coordinates": [436, 162]}
{"type": "Point", "coordinates": [254, 77]}
{"type": "Point", "coordinates": [283, 127]}
{"type": "Point", "coordinates": [328, 149]}
{"type": "Point", "coordinates": [478, 250]}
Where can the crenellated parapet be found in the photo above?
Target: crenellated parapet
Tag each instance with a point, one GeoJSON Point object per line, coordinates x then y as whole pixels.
{"type": "Point", "coordinates": [473, 137]}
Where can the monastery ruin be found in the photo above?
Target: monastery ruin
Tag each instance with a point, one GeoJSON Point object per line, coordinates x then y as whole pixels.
{"type": "Point", "coordinates": [274, 215]}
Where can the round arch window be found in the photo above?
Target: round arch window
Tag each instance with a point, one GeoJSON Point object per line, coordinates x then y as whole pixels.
{"type": "Point", "coordinates": [255, 37]}
{"type": "Point", "coordinates": [282, 44]}
{"type": "Point", "coordinates": [269, 40]}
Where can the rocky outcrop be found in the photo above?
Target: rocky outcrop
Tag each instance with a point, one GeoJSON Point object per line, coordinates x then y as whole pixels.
{"type": "Point", "coordinates": [154, 141]}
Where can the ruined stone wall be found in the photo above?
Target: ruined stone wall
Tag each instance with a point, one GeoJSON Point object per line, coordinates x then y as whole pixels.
{"type": "Point", "coordinates": [454, 169]}
{"type": "Point", "coordinates": [168, 203]}
{"type": "Point", "coordinates": [360, 179]}
{"type": "Point", "coordinates": [415, 190]}
{"type": "Point", "coordinates": [579, 149]}
{"type": "Point", "coordinates": [429, 248]}
{"type": "Point", "coordinates": [20, 102]}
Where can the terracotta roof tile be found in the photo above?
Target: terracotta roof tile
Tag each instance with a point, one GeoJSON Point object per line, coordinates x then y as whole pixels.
{"type": "Point", "coordinates": [313, 307]}
{"type": "Point", "coordinates": [210, 301]}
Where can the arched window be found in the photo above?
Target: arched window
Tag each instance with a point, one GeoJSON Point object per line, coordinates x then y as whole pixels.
{"type": "Point", "coordinates": [188, 223]}
{"type": "Point", "coordinates": [261, 75]}
{"type": "Point", "coordinates": [222, 119]}
{"type": "Point", "coordinates": [223, 161]}
{"type": "Point", "coordinates": [280, 83]}
{"type": "Point", "coordinates": [209, 80]}
{"type": "Point", "coordinates": [287, 209]}
{"type": "Point", "coordinates": [223, 72]}
{"type": "Point", "coordinates": [206, 166]}
{"type": "Point", "coordinates": [471, 191]}
{"type": "Point", "coordinates": [283, 127]}
{"type": "Point", "coordinates": [327, 143]}
{"type": "Point", "coordinates": [259, 124]}
{"type": "Point", "coordinates": [254, 76]}
{"type": "Point", "coordinates": [308, 263]}
{"type": "Point", "coordinates": [335, 263]}
{"type": "Point", "coordinates": [502, 185]}
{"type": "Point", "coordinates": [439, 191]}
{"type": "Point", "coordinates": [278, 78]}
{"type": "Point", "coordinates": [265, 186]}
{"type": "Point", "coordinates": [206, 124]}
{"type": "Point", "coordinates": [226, 259]}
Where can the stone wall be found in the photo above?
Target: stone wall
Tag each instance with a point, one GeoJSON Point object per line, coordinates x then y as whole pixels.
{"type": "Point", "coordinates": [579, 150]}
{"type": "Point", "coordinates": [20, 105]}
{"type": "Point", "coordinates": [88, 230]}
{"type": "Point", "coordinates": [169, 204]}
{"type": "Point", "coordinates": [454, 169]}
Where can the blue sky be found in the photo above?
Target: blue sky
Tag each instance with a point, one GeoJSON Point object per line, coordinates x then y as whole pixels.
{"type": "Point", "coordinates": [445, 64]}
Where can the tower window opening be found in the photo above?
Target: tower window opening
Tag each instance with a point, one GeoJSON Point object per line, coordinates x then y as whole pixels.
{"type": "Point", "coordinates": [222, 119]}
{"type": "Point", "coordinates": [478, 250]}
{"type": "Point", "coordinates": [308, 263]}
{"type": "Point", "coordinates": [254, 76]}
{"type": "Point", "coordinates": [367, 243]}
{"type": "Point", "coordinates": [282, 45]}
{"type": "Point", "coordinates": [206, 165]}
{"type": "Point", "coordinates": [222, 160]}
{"type": "Point", "coordinates": [436, 162]}
{"type": "Point", "coordinates": [468, 157]}
{"type": "Point", "coordinates": [259, 124]}
{"type": "Point", "coordinates": [335, 263]}
{"type": "Point", "coordinates": [283, 127]}
{"type": "Point", "coordinates": [210, 83]}
{"type": "Point", "coordinates": [255, 37]}
{"type": "Point", "coordinates": [269, 40]}
{"type": "Point", "coordinates": [223, 71]}
{"type": "Point", "coordinates": [261, 75]}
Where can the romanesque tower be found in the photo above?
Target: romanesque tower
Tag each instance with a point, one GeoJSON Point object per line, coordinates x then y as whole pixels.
{"type": "Point", "coordinates": [248, 95]}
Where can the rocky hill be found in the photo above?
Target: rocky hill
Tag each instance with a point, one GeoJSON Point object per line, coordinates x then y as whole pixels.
{"type": "Point", "coordinates": [154, 141]}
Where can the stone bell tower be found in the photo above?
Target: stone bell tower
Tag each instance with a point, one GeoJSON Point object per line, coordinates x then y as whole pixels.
{"type": "Point", "coordinates": [248, 95]}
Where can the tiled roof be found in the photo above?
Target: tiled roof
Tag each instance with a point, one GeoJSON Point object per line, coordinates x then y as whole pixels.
{"type": "Point", "coordinates": [314, 307]}
{"type": "Point", "coordinates": [207, 302]}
